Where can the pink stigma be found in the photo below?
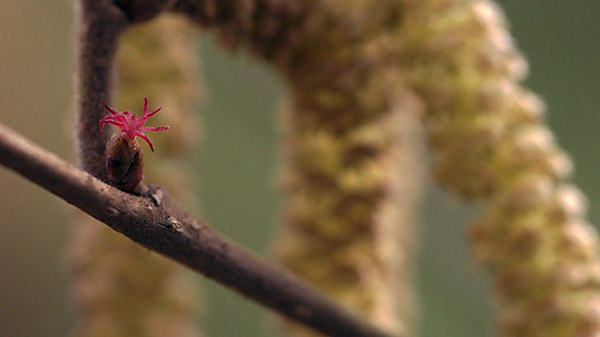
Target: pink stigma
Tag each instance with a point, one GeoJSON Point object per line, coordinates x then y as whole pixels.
{"type": "Point", "coordinates": [132, 125]}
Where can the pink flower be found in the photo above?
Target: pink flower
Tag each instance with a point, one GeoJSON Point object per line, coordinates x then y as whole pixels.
{"type": "Point", "coordinates": [132, 125]}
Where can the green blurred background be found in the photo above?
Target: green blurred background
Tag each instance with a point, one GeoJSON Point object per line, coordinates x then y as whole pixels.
{"type": "Point", "coordinates": [238, 161]}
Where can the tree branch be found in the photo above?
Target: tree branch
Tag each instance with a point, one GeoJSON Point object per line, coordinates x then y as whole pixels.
{"type": "Point", "coordinates": [99, 26]}
{"type": "Point", "coordinates": [156, 222]}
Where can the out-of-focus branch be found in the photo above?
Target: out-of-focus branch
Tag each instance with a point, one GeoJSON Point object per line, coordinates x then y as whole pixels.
{"type": "Point", "coordinates": [99, 26]}
{"type": "Point", "coordinates": [156, 222]}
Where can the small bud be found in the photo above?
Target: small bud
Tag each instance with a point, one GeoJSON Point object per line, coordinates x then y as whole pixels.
{"type": "Point", "coordinates": [124, 160]}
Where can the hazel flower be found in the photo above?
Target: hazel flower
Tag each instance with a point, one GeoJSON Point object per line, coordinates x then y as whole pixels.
{"type": "Point", "coordinates": [132, 125]}
{"type": "Point", "coordinates": [124, 160]}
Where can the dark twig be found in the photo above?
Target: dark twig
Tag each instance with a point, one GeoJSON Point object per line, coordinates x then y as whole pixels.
{"type": "Point", "coordinates": [99, 26]}
{"type": "Point", "coordinates": [156, 222]}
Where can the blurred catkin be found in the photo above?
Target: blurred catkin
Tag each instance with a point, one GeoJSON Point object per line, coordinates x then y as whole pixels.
{"type": "Point", "coordinates": [351, 168]}
{"type": "Point", "coordinates": [119, 288]}
{"type": "Point", "coordinates": [490, 144]}
{"type": "Point", "coordinates": [351, 144]}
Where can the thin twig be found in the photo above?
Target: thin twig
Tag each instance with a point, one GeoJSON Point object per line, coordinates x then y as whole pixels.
{"type": "Point", "coordinates": [99, 26]}
{"type": "Point", "coordinates": [156, 222]}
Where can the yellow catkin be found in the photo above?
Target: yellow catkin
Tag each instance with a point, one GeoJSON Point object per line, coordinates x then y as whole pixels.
{"type": "Point", "coordinates": [490, 144]}
{"type": "Point", "coordinates": [119, 288]}
{"type": "Point", "coordinates": [351, 168]}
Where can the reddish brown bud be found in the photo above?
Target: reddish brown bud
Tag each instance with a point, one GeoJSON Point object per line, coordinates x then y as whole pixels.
{"type": "Point", "coordinates": [124, 161]}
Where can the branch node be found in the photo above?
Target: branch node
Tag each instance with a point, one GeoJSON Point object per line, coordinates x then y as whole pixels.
{"type": "Point", "coordinates": [110, 210]}
{"type": "Point", "coordinates": [156, 195]}
{"type": "Point", "coordinates": [172, 225]}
